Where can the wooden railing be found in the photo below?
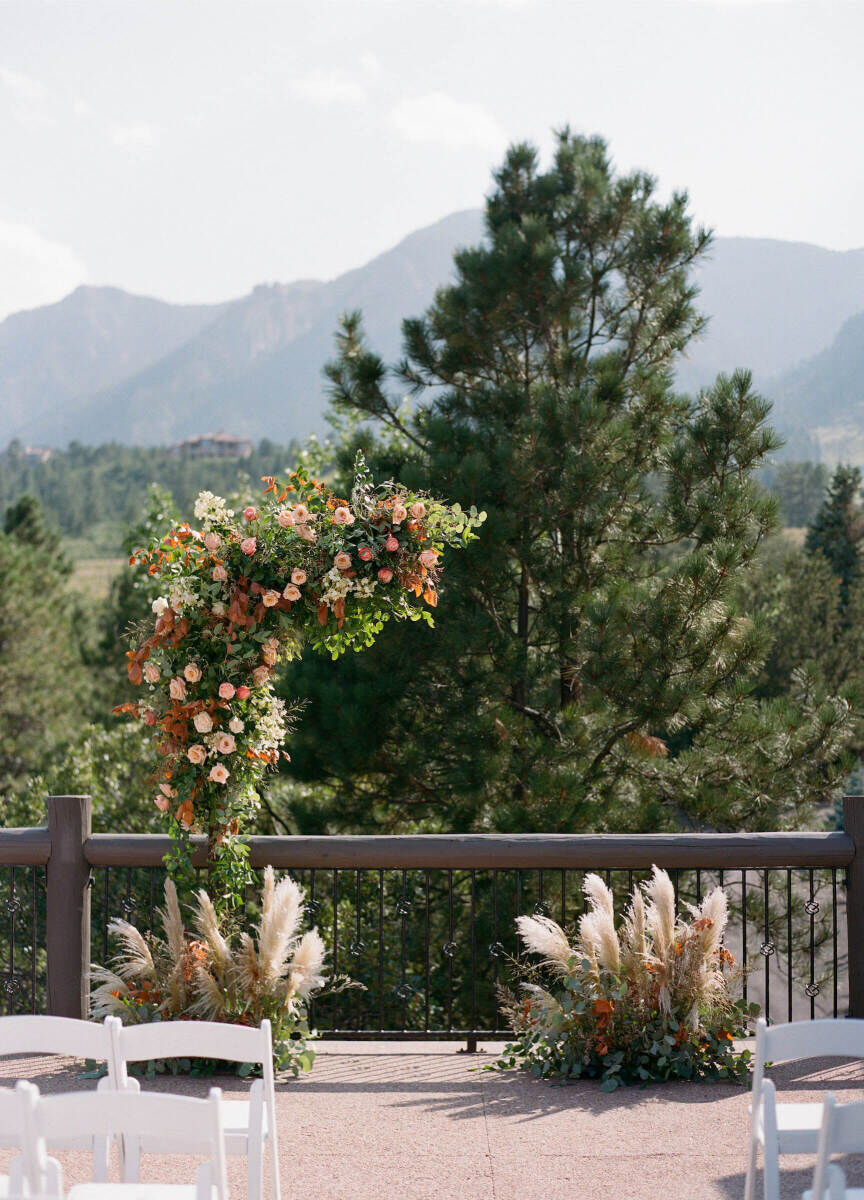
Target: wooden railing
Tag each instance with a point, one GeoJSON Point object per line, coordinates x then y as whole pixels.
{"type": "Point", "coordinates": [73, 857]}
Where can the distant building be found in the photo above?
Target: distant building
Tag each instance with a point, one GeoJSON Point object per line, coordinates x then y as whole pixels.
{"type": "Point", "coordinates": [213, 445]}
{"type": "Point", "coordinates": [32, 454]}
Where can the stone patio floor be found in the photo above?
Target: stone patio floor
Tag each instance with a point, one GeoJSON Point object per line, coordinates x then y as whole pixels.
{"type": "Point", "coordinates": [417, 1121]}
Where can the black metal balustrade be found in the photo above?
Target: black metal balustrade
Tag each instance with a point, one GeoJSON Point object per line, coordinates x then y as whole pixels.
{"type": "Point", "coordinates": [426, 923]}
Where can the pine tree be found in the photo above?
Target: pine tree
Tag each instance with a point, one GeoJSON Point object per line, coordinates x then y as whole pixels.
{"type": "Point", "coordinates": [590, 669]}
{"type": "Point", "coordinates": [837, 530]}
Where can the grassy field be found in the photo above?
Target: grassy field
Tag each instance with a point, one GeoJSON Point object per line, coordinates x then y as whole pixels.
{"type": "Point", "coordinates": [93, 576]}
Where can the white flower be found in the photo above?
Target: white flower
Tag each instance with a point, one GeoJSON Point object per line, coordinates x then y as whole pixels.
{"type": "Point", "coordinates": [219, 609]}
{"type": "Point", "coordinates": [212, 508]}
{"type": "Point", "coordinates": [236, 725]}
{"type": "Point", "coordinates": [183, 595]}
{"type": "Point", "coordinates": [159, 605]}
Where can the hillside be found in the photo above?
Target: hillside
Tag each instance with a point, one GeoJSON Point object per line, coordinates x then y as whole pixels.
{"type": "Point", "coordinates": [103, 365]}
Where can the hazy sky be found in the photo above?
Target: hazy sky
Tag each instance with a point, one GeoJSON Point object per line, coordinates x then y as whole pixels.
{"type": "Point", "coordinates": [192, 148]}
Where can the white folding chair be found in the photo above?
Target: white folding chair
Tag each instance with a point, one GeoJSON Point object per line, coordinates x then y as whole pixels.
{"type": "Point", "coordinates": [842, 1132]}
{"type": "Point", "coordinates": [130, 1115]}
{"type": "Point", "coordinates": [248, 1124]}
{"type": "Point", "coordinates": [15, 1106]}
{"type": "Point", "coordinates": [791, 1128]}
{"type": "Point", "coordinates": [30, 1034]}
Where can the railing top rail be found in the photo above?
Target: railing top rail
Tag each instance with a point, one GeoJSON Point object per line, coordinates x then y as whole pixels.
{"type": "Point", "coordinates": [25, 847]}
{"type": "Point", "coordinates": [497, 850]}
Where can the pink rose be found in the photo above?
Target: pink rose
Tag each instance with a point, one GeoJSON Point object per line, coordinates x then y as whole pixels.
{"type": "Point", "coordinates": [300, 514]}
{"type": "Point", "coordinates": [270, 598]}
{"type": "Point", "coordinates": [149, 716]}
{"type": "Point", "coordinates": [212, 541]}
{"type": "Point", "coordinates": [260, 676]}
{"type": "Point", "coordinates": [298, 576]}
{"type": "Point", "coordinates": [167, 790]}
{"type": "Point", "coordinates": [400, 512]}
{"type": "Point", "coordinates": [196, 754]}
{"type": "Point", "coordinates": [391, 544]}
{"type": "Point", "coordinates": [226, 744]}
{"type": "Point", "coordinates": [385, 574]}
{"type": "Point", "coordinates": [418, 510]}
{"type": "Point", "coordinates": [248, 545]}
{"type": "Point", "coordinates": [242, 692]}
{"type": "Point", "coordinates": [285, 518]}
{"type": "Point", "coordinates": [343, 516]}
{"type": "Point", "coordinates": [226, 691]}
{"type": "Point", "coordinates": [192, 672]}
{"type": "Point", "coordinates": [218, 773]}
{"type": "Point", "coordinates": [151, 672]}
{"type": "Point", "coordinates": [203, 722]}
{"type": "Point", "coordinates": [177, 689]}
{"type": "Point", "coordinates": [250, 513]}
{"type": "Point", "coordinates": [342, 561]}
{"type": "Point", "coordinates": [161, 803]}
{"type": "Point", "coordinates": [365, 553]}
{"type": "Point", "coordinates": [429, 558]}
{"type": "Point", "coordinates": [291, 592]}
{"type": "Point", "coordinates": [220, 575]}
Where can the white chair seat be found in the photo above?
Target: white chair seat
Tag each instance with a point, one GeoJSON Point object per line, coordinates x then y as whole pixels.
{"type": "Point", "coordinates": [4, 1185]}
{"type": "Point", "coordinates": [798, 1128]}
{"type": "Point", "coordinates": [134, 1191]}
{"type": "Point", "coordinates": [235, 1124]}
{"type": "Point", "coordinates": [849, 1194]}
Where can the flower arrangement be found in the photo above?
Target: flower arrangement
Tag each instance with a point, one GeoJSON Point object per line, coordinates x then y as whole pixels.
{"type": "Point", "coordinates": [651, 1001]}
{"type": "Point", "coordinates": [242, 592]}
{"type": "Point", "coordinates": [211, 974]}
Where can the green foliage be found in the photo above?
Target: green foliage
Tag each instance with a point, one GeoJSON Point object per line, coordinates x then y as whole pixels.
{"type": "Point", "coordinates": [837, 530]}
{"type": "Point", "coordinates": [799, 488]}
{"type": "Point", "coordinates": [591, 669]}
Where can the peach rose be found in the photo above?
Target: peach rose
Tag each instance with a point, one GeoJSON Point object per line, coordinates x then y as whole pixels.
{"type": "Point", "coordinates": [220, 575]}
{"type": "Point", "coordinates": [218, 773]}
{"type": "Point", "coordinates": [291, 592]}
{"type": "Point", "coordinates": [226, 743]}
{"type": "Point", "coordinates": [342, 561]}
{"type": "Point", "coordinates": [298, 576]}
{"type": "Point", "coordinates": [429, 558]}
{"type": "Point", "coordinates": [343, 516]}
{"type": "Point", "coordinates": [260, 676]}
{"type": "Point", "coordinates": [250, 513]}
{"type": "Point", "coordinates": [307, 534]}
{"type": "Point", "coordinates": [418, 510]}
{"type": "Point", "coordinates": [151, 672]}
{"type": "Point", "coordinates": [203, 722]}
{"type": "Point", "coordinates": [385, 574]}
{"type": "Point", "coordinates": [236, 725]}
{"type": "Point", "coordinates": [365, 553]}
{"type": "Point", "coordinates": [270, 598]}
{"type": "Point", "coordinates": [301, 514]}
{"type": "Point", "coordinates": [249, 546]}
{"type": "Point", "coordinates": [285, 518]}
{"type": "Point", "coordinates": [149, 716]}
{"type": "Point", "coordinates": [161, 803]}
{"type": "Point", "coordinates": [242, 692]}
{"type": "Point", "coordinates": [196, 754]}
{"type": "Point", "coordinates": [391, 544]}
{"type": "Point", "coordinates": [269, 655]}
{"type": "Point", "coordinates": [400, 512]}
{"type": "Point", "coordinates": [192, 672]}
{"type": "Point", "coordinates": [212, 541]}
{"type": "Point", "coordinates": [167, 790]}
{"type": "Point", "coordinates": [177, 689]}
{"type": "Point", "coordinates": [226, 691]}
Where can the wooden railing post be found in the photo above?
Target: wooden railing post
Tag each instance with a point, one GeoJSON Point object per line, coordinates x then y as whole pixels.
{"type": "Point", "coordinates": [853, 824]}
{"type": "Point", "coordinates": [67, 922]}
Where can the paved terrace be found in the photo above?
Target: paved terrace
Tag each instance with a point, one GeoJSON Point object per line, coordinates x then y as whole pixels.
{"type": "Point", "coordinates": [413, 1121]}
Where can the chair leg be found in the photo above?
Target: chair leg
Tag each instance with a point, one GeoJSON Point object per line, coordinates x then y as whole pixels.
{"type": "Point", "coordinates": [750, 1180]}
{"type": "Point", "coordinates": [771, 1173]}
{"type": "Point", "coordinates": [255, 1167]}
{"type": "Point", "coordinates": [275, 1183]}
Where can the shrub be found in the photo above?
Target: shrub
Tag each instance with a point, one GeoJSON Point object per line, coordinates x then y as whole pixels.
{"type": "Point", "coordinates": [650, 1001]}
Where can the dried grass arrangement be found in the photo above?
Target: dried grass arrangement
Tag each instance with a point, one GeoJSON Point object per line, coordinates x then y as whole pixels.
{"type": "Point", "coordinates": [649, 1001]}
{"type": "Point", "coordinates": [217, 973]}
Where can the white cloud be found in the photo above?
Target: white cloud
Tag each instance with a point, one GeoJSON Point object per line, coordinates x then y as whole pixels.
{"type": "Point", "coordinates": [140, 135]}
{"type": "Point", "coordinates": [439, 118]}
{"type": "Point", "coordinates": [33, 269]}
{"type": "Point", "coordinates": [329, 87]}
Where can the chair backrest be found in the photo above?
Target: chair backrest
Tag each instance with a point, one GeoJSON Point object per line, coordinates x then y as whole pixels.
{"type": "Point", "coordinates": [56, 1035]}
{"type": "Point", "coordinates": [842, 1132]}
{"type": "Point", "coordinates": [133, 1115]}
{"type": "Point", "coordinates": [828, 1038]}
{"type": "Point", "coordinates": [192, 1039]}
